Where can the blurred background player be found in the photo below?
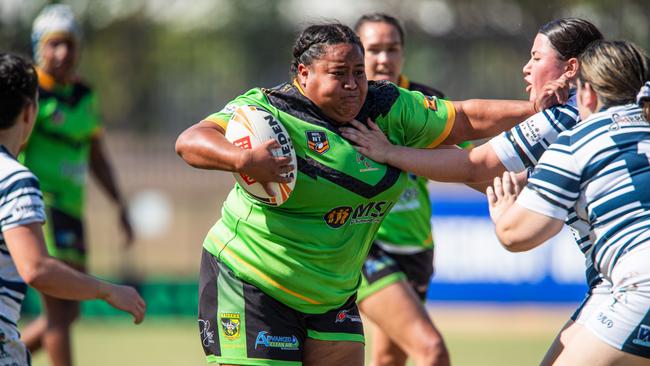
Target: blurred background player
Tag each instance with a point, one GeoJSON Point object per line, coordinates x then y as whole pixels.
{"type": "Point", "coordinates": [397, 273]}
{"type": "Point", "coordinates": [600, 168]}
{"type": "Point", "coordinates": [67, 140]}
{"type": "Point", "coordinates": [23, 256]}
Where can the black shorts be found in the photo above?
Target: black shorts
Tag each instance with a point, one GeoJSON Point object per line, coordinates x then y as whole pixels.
{"type": "Point", "coordinates": [65, 237]}
{"type": "Point", "coordinates": [382, 268]}
{"type": "Point", "coordinates": [240, 324]}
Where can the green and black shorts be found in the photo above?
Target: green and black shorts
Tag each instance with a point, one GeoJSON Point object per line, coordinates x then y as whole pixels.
{"type": "Point", "coordinates": [240, 324]}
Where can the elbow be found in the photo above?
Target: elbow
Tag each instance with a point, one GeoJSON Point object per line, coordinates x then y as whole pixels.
{"type": "Point", "coordinates": [511, 241]}
{"type": "Point", "coordinates": [35, 274]}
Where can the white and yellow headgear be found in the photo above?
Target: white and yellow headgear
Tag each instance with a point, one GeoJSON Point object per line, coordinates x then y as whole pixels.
{"type": "Point", "coordinates": [53, 20]}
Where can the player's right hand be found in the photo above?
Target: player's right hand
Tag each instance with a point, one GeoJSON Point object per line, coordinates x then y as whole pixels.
{"type": "Point", "coordinates": [262, 165]}
{"type": "Point", "coordinates": [127, 299]}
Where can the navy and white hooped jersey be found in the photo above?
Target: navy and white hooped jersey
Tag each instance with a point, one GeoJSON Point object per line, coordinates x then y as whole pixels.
{"type": "Point", "coordinates": [21, 203]}
{"type": "Point", "coordinates": [522, 146]}
{"type": "Point", "coordinates": [601, 167]}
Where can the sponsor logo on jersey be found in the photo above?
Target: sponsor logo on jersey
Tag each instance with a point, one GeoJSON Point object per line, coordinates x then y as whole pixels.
{"type": "Point", "coordinates": [338, 216]}
{"type": "Point", "coordinates": [366, 165]}
{"type": "Point", "coordinates": [634, 120]}
{"type": "Point", "coordinates": [207, 335]}
{"type": "Point", "coordinates": [317, 141]}
{"type": "Point", "coordinates": [365, 213]}
{"type": "Point", "coordinates": [431, 103]}
{"type": "Point", "coordinates": [643, 336]}
{"type": "Point", "coordinates": [230, 324]}
{"type": "Point", "coordinates": [286, 343]}
{"type": "Point", "coordinates": [344, 315]}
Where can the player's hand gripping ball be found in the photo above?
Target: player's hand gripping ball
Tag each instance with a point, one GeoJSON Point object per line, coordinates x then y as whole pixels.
{"type": "Point", "coordinates": [251, 126]}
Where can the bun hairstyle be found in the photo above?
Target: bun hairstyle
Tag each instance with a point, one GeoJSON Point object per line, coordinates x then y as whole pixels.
{"type": "Point", "coordinates": [570, 36]}
{"type": "Point", "coordinates": [310, 44]}
{"type": "Point", "coordinates": [619, 73]}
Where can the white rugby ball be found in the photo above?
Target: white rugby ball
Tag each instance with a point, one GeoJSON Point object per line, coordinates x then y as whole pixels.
{"type": "Point", "coordinates": [251, 126]}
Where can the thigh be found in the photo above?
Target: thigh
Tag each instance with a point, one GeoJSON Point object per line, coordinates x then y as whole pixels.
{"type": "Point", "coordinates": [328, 353]}
{"type": "Point", "coordinates": [398, 311]}
{"type": "Point", "coordinates": [379, 270]}
{"type": "Point", "coordinates": [65, 238]}
{"type": "Point", "coordinates": [241, 325]}
{"type": "Point", "coordinates": [565, 335]}
{"type": "Point", "coordinates": [585, 348]}
{"type": "Point", "coordinates": [622, 321]}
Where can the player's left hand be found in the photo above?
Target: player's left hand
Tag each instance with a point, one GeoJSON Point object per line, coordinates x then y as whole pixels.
{"type": "Point", "coordinates": [554, 92]}
{"type": "Point", "coordinates": [503, 194]}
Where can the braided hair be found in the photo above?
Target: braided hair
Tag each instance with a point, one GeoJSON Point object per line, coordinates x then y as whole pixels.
{"type": "Point", "coordinates": [310, 44]}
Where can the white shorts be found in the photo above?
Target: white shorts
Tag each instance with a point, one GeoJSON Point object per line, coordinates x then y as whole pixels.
{"type": "Point", "coordinates": [618, 312]}
{"type": "Point", "coordinates": [12, 351]}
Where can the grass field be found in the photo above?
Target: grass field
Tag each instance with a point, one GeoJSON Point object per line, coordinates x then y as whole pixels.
{"type": "Point", "coordinates": [484, 336]}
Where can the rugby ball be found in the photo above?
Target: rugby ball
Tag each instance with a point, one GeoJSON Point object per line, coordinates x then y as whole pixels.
{"type": "Point", "coordinates": [251, 126]}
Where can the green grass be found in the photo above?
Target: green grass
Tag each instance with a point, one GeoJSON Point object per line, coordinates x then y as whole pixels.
{"type": "Point", "coordinates": [474, 336]}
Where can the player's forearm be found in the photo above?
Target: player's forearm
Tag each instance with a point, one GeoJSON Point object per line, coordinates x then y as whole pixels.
{"type": "Point", "coordinates": [450, 164]}
{"type": "Point", "coordinates": [55, 278]}
{"type": "Point", "coordinates": [102, 171]}
{"type": "Point", "coordinates": [479, 118]}
{"type": "Point", "coordinates": [204, 146]}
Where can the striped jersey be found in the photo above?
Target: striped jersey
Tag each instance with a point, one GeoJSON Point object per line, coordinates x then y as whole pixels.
{"type": "Point", "coordinates": [522, 147]}
{"type": "Point", "coordinates": [21, 203]}
{"type": "Point", "coordinates": [601, 168]}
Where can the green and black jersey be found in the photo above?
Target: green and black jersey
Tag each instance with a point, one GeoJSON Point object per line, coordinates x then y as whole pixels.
{"type": "Point", "coordinates": [59, 147]}
{"type": "Point", "coordinates": [308, 252]}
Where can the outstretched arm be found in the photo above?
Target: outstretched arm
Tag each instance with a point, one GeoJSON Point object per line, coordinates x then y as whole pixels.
{"type": "Point", "coordinates": [449, 164]}
{"type": "Point", "coordinates": [479, 118]}
{"type": "Point", "coordinates": [54, 278]}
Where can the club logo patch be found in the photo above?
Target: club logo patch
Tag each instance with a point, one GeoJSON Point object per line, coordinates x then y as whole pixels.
{"type": "Point", "coordinates": [344, 315]}
{"type": "Point", "coordinates": [230, 324]}
{"type": "Point", "coordinates": [431, 103]}
{"type": "Point", "coordinates": [643, 336]}
{"type": "Point", "coordinates": [317, 141]}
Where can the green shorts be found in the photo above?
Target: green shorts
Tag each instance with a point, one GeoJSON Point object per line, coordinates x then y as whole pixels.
{"type": "Point", "coordinates": [64, 237]}
{"type": "Point", "coordinates": [383, 268]}
{"type": "Point", "coordinates": [240, 324]}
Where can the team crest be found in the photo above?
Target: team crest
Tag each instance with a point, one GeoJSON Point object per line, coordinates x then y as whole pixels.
{"type": "Point", "coordinates": [230, 325]}
{"type": "Point", "coordinates": [317, 141]}
{"type": "Point", "coordinates": [431, 103]}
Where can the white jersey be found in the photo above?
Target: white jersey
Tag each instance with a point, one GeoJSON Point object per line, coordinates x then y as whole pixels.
{"type": "Point", "coordinates": [21, 203]}
{"type": "Point", "coordinates": [522, 146]}
{"type": "Point", "coordinates": [601, 168]}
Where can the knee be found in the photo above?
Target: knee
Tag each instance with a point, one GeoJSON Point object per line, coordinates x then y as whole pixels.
{"type": "Point", "coordinates": [432, 351]}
